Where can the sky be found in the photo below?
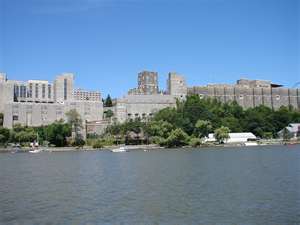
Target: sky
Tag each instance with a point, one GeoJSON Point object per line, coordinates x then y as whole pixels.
{"type": "Point", "coordinates": [106, 43]}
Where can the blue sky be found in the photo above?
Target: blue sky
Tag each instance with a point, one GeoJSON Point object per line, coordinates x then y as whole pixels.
{"type": "Point", "coordinates": [107, 42]}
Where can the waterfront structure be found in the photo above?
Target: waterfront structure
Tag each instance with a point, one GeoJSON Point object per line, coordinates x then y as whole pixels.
{"type": "Point", "coordinates": [234, 138]}
{"type": "Point", "coordinates": [250, 93]}
{"type": "Point", "coordinates": [38, 102]}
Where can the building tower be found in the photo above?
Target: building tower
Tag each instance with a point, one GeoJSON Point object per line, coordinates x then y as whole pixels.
{"type": "Point", "coordinates": [63, 87]}
{"type": "Point", "coordinates": [148, 83]}
{"type": "Point", "coordinates": [177, 86]}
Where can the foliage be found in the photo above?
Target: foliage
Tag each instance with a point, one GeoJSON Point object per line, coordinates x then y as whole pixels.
{"type": "Point", "coordinates": [195, 142]}
{"type": "Point", "coordinates": [98, 144]}
{"type": "Point", "coordinates": [1, 119]}
{"type": "Point", "coordinates": [109, 113]}
{"type": "Point", "coordinates": [79, 142]}
{"type": "Point", "coordinates": [75, 121]}
{"type": "Point", "coordinates": [221, 134]}
{"type": "Point", "coordinates": [4, 135]}
{"type": "Point", "coordinates": [202, 128]}
{"type": "Point", "coordinates": [108, 101]}
{"type": "Point", "coordinates": [177, 138]}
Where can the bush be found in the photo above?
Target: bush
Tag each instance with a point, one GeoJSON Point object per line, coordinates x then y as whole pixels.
{"type": "Point", "coordinates": [98, 144]}
{"type": "Point", "coordinates": [157, 140]}
{"type": "Point", "coordinates": [78, 142]}
{"type": "Point", "coordinates": [195, 142]}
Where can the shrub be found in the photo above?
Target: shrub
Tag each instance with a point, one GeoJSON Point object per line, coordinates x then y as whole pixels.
{"type": "Point", "coordinates": [98, 144]}
{"type": "Point", "coordinates": [195, 142]}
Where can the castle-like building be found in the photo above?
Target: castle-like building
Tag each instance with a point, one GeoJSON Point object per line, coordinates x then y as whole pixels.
{"type": "Point", "coordinates": [251, 93]}
{"type": "Point", "coordinates": [40, 102]}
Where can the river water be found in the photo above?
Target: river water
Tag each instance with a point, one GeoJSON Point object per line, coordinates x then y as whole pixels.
{"type": "Point", "coordinates": [254, 185]}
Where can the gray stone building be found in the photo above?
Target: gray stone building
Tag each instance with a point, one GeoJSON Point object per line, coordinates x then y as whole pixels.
{"type": "Point", "coordinates": [38, 102]}
{"type": "Point", "coordinates": [251, 93]}
{"type": "Point", "coordinates": [140, 103]}
{"type": "Point", "coordinates": [147, 84]}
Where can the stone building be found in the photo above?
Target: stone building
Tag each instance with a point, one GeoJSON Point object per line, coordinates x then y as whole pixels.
{"type": "Point", "coordinates": [251, 93]}
{"type": "Point", "coordinates": [147, 84]}
{"type": "Point", "coordinates": [38, 102]}
{"type": "Point", "coordinates": [83, 95]}
{"type": "Point", "coordinates": [141, 106]}
{"type": "Point", "coordinates": [140, 103]}
{"type": "Point", "coordinates": [176, 86]}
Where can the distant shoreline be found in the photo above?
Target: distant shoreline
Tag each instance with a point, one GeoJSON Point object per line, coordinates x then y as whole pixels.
{"type": "Point", "coordinates": [134, 147]}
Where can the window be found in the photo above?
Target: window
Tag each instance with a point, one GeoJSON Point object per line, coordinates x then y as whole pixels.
{"type": "Point", "coordinates": [36, 90]}
{"type": "Point", "coordinates": [241, 96]}
{"type": "Point", "coordinates": [15, 117]}
{"type": "Point", "coordinates": [43, 90]}
{"type": "Point", "coordinates": [30, 90]}
{"type": "Point", "coordinates": [49, 90]}
{"type": "Point", "coordinates": [65, 89]}
{"type": "Point", "coordinates": [16, 90]}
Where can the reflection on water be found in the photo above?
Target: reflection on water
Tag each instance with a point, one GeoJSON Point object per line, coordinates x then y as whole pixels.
{"type": "Point", "coordinates": [259, 185]}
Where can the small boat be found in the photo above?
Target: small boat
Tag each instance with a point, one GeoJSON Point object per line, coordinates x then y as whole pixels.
{"type": "Point", "coordinates": [34, 147]}
{"type": "Point", "coordinates": [35, 151]}
{"type": "Point", "coordinates": [251, 144]}
{"type": "Point", "coordinates": [121, 149]}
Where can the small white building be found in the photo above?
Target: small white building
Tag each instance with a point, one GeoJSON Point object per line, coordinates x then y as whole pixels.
{"type": "Point", "coordinates": [293, 128]}
{"type": "Point", "coordinates": [234, 138]}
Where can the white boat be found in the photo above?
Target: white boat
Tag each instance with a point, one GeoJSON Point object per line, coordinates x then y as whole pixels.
{"type": "Point", "coordinates": [251, 144]}
{"type": "Point", "coordinates": [121, 149]}
{"type": "Point", "coordinates": [35, 151]}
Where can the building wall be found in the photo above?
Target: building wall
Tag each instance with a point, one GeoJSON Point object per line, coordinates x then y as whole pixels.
{"type": "Point", "coordinates": [177, 85]}
{"type": "Point", "coordinates": [83, 95]}
{"type": "Point", "coordinates": [33, 114]}
{"type": "Point", "coordinates": [63, 87]}
{"type": "Point", "coordinates": [250, 97]}
{"type": "Point", "coordinates": [141, 106]}
{"type": "Point", "coordinates": [148, 82]}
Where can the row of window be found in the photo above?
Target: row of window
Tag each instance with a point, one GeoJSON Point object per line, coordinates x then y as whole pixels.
{"type": "Point", "coordinates": [22, 92]}
{"type": "Point", "coordinates": [138, 115]}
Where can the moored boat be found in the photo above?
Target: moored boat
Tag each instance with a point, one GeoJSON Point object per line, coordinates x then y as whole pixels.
{"type": "Point", "coordinates": [121, 149]}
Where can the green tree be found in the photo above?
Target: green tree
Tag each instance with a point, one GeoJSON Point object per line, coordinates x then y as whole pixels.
{"type": "Point", "coordinates": [75, 121]}
{"type": "Point", "coordinates": [177, 138]}
{"type": "Point", "coordinates": [4, 135]}
{"type": "Point", "coordinates": [108, 101]}
{"type": "Point", "coordinates": [1, 119]}
{"type": "Point", "coordinates": [222, 134]}
{"type": "Point", "coordinates": [109, 113]}
{"type": "Point", "coordinates": [203, 128]}
{"type": "Point", "coordinates": [57, 133]}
